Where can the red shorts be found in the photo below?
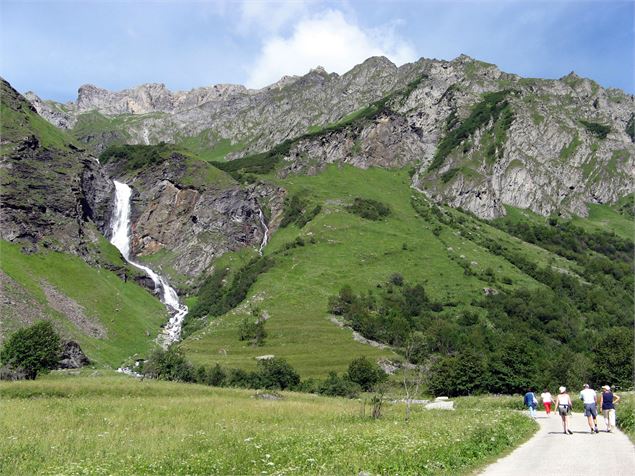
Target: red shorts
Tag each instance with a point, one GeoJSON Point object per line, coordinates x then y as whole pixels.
{"type": "Point", "coordinates": [547, 407]}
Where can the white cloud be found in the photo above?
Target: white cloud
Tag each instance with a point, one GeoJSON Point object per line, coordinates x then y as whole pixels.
{"type": "Point", "coordinates": [328, 40]}
{"type": "Point", "coordinates": [267, 18]}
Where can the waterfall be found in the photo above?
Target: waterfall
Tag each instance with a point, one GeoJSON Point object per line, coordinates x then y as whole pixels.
{"type": "Point", "coordinates": [121, 240]}
{"type": "Point", "coordinates": [265, 229]}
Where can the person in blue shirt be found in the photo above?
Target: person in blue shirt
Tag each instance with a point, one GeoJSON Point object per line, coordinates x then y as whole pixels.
{"type": "Point", "coordinates": [531, 402]}
{"type": "Point", "coordinates": [607, 403]}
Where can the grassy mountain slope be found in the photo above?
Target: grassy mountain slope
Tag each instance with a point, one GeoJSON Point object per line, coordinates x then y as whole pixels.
{"type": "Point", "coordinates": [341, 248]}
{"type": "Point", "coordinates": [110, 318]}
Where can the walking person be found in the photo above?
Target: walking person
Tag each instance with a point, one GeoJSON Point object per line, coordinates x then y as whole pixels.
{"type": "Point", "coordinates": [547, 400]}
{"type": "Point", "coordinates": [607, 403]}
{"type": "Point", "coordinates": [531, 403]}
{"type": "Point", "coordinates": [589, 399]}
{"type": "Point", "coordinates": [563, 404]}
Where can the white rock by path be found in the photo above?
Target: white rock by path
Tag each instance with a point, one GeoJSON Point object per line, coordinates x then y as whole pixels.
{"type": "Point", "coordinates": [550, 452]}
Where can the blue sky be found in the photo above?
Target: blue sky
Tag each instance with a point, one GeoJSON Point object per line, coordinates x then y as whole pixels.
{"type": "Point", "coordinates": [53, 47]}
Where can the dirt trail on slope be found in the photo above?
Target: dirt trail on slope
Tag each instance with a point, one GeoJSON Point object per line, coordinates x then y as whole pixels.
{"type": "Point", "coordinates": [550, 452]}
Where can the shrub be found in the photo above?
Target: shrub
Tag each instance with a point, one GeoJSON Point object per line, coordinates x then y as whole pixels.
{"type": "Point", "coordinates": [252, 330]}
{"type": "Point", "coordinates": [169, 364]}
{"type": "Point", "coordinates": [32, 350]}
{"type": "Point", "coordinates": [277, 373]}
{"type": "Point", "coordinates": [335, 386]}
{"type": "Point", "coordinates": [369, 209]}
{"type": "Point", "coordinates": [365, 373]}
{"type": "Point", "coordinates": [493, 106]}
{"type": "Point", "coordinates": [216, 376]}
{"type": "Point", "coordinates": [396, 279]}
{"type": "Point", "coordinates": [625, 416]}
{"type": "Point", "coordinates": [136, 157]}
{"type": "Point", "coordinates": [597, 129]}
{"type": "Point", "coordinates": [216, 298]}
{"type": "Point", "coordinates": [296, 212]}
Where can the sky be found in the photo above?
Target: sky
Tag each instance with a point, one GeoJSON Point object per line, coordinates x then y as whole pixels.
{"type": "Point", "coordinates": [53, 47]}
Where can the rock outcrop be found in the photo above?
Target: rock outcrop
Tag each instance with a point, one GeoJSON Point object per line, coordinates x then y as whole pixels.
{"type": "Point", "coordinates": [47, 193]}
{"type": "Point", "coordinates": [193, 224]}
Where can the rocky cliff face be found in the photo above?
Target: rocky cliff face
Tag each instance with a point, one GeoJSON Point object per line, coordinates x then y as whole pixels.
{"type": "Point", "coordinates": [183, 226]}
{"type": "Point", "coordinates": [251, 120]}
{"type": "Point", "coordinates": [478, 138]}
{"type": "Point", "coordinates": [481, 139]}
{"type": "Point", "coordinates": [52, 193]}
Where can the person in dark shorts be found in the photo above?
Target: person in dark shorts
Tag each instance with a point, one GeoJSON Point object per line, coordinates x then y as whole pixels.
{"type": "Point", "coordinates": [607, 403]}
{"type": "Point", "coordinates": [563, 405]}
{"type": "Point", "coordinates": [589, 399]}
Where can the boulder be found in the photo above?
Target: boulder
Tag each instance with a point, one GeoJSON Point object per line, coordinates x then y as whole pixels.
{"type": "Point", "coordinates": [440, 405]}
{"type": "Point", "coordinates": [72, 356]}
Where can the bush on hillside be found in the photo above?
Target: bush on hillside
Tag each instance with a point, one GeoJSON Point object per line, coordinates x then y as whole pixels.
{"type": "Point", "coordinates": [369, 209]}
{"type": "Point", "coordinates": [276, 373]}
{"type": "Point", "coordinates": [365, 373]}
{"type": "Point", "coordinates": [216, 296]}
{"type": "Point", "coordinates": [32, 350]}
{"type": "Point", "coordinates": [134, 157]}
{"type": "Point", "coordinates": [597, 129]}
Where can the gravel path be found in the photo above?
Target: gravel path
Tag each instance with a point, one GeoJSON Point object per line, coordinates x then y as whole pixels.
{"type": "Point", "coordinates": [550, 452]}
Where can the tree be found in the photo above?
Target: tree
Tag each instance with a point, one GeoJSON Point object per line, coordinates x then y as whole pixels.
{"type": "Point", "coordinates": [33, 349]}
{"type": "Point", "coordinates": [169, 364]}
{"type": "Point", "coordinates": [613, 358]}
{"type": "Point", "coordinates": [411, 372]}
{"type": "Point", "coordinates": [365, 373]}
{"type": "Point", "coordinates": [277, 373]}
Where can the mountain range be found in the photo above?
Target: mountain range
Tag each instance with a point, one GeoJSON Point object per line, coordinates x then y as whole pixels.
{"type": "Point", "coordinates": [433, 170]}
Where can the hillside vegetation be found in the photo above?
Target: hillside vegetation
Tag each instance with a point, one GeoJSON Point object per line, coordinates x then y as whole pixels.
{"type": "Point", "coordinates": [548, 296]}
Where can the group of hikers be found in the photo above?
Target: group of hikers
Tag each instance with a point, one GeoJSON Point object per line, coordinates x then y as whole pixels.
{"type": "Point", "coordinates": [563, 403]}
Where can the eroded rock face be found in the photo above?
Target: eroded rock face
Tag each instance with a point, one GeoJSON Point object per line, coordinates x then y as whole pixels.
{"type": "Point", "coordinates": [192, 226]}
{"type": "Point", "coordinates": [47, 193]}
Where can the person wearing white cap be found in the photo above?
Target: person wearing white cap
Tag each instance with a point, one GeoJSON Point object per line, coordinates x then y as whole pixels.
{"type": "Point", "coordinates": [563, 404]}
{"type": "Point", "coordinates": [607, 403]}
{"type": "Point", "coordinates": [589, 399]}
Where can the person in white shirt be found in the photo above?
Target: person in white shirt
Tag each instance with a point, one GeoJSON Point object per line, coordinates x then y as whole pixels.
{"type": "Point", "coordinates": [563, 404]}
{"type": "Point", "coordinates": [546, 401]}
{"type": "Point", "coordinates": [589, 399]}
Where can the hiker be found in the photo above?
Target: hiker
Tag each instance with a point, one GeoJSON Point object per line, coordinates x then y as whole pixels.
{"type": "Point", "coordinates": [589, 399]}
{"type": "Point", "coordinates": [563, 404]}
{"type": "Point", "coordinates": [607, 403]}
{"type": "Point", "coordinates": [531, 403]}
{"type": "Point", "coordinates": [545, 396]}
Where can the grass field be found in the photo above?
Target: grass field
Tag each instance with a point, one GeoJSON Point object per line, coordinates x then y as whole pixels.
{"type": "Point", "coordinates": [117, 425]}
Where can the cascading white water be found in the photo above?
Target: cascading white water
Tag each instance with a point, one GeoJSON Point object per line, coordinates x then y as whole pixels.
{"type": "Point", "coordinates": [121, 240]}
{"type": "Point", "coordinates": [265, 228]}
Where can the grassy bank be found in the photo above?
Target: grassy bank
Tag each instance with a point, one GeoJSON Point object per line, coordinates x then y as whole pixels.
{"type": "Point", "coordinates": [127, 316]}
{"type": "Point", "coordinates": [116, 425]}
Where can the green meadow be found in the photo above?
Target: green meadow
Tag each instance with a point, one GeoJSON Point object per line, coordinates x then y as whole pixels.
{"type": "Point", "coordinates": [106, 425]}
